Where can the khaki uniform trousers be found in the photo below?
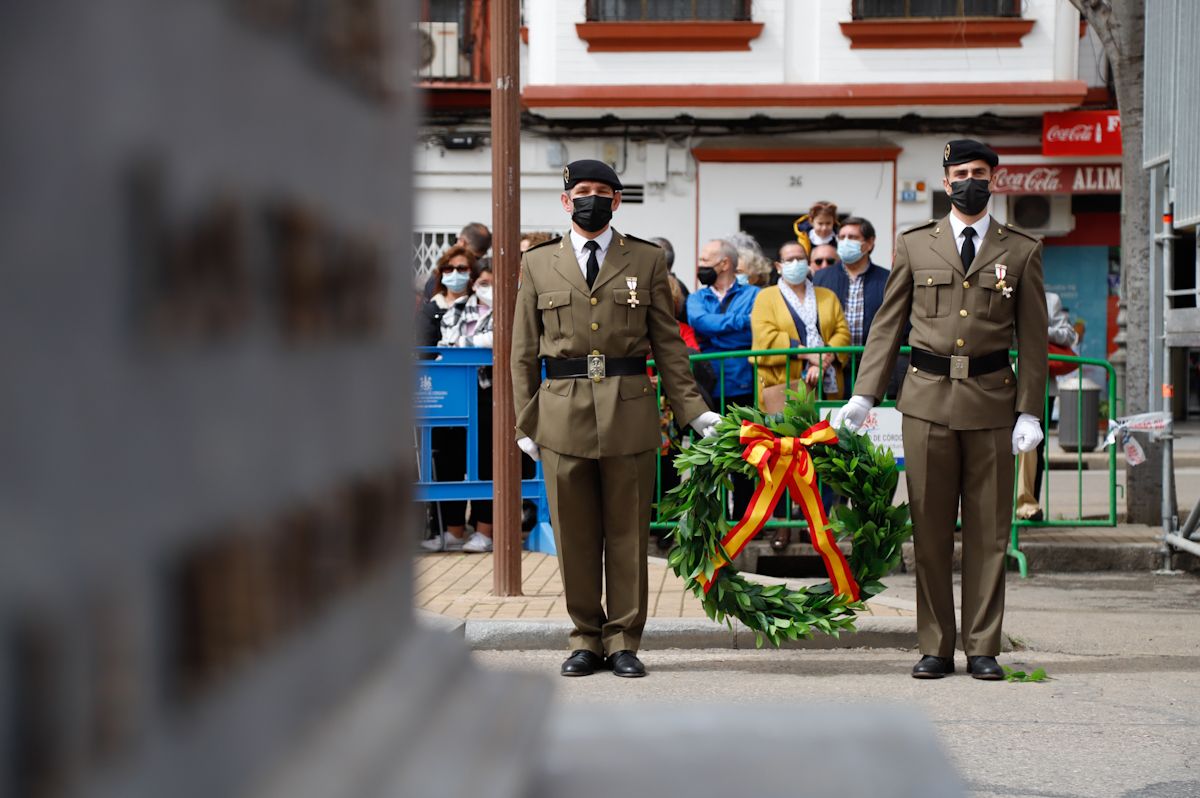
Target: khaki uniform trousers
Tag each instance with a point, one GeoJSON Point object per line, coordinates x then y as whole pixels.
{"type": "Point", "coordinates": [942, 467]}
{"type": "Point", "coordinates": [600, 510]}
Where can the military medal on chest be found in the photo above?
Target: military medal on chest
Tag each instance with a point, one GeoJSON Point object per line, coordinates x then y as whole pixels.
{"type": "Point", "coordinates": [631, 282]}
{"type": "Point", "coordinates": [1001, 286]}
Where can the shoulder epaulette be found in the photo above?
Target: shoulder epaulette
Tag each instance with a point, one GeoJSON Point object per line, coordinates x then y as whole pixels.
{"type": "Point", "coordinates": [628, 237]}
{"type": "Point", "coordinates": [1014, 229]}
{"type": "Point", "coordinates": [554, 240]}
{"type": "Point", "coordinates": [920, 226]}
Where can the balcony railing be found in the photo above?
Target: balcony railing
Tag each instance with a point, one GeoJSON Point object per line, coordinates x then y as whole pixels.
{"type": "Point", "coordinates": [925, 9]}
{"type": "Point", "coordinates": [668, 10]}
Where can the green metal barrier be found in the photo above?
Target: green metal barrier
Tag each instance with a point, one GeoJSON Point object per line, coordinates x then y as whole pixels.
{"type": "Point", "coordinates": [1014, 550]}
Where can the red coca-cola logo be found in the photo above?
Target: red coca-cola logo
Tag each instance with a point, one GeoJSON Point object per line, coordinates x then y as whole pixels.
{"type": "Point", "coordinates": [1036, 180]}
{"type": "Point", "coordinates": [1073, 133]}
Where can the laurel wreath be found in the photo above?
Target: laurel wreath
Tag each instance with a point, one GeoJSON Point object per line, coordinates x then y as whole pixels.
{"type": "Point", "coordinates": [854, 467]}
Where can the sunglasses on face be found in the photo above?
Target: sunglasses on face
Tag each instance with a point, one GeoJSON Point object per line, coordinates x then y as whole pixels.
{"type": "Point", "coordinates": [824, 261]}
{"type": "Point", "coordinates": [452, 268]}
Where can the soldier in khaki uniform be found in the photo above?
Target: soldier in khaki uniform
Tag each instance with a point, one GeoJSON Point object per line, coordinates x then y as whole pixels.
{"type": "Point", "coordinates": [591, 306]}
{"type": "Point", "coordinates": [968, 285]}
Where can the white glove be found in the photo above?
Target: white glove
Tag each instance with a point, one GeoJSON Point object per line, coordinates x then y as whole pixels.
{"type": "Point", "coordinates": [853, 414]}
{"type": "Point", "coordinates": [706, 423]}
{"type": "Point", "coordinates": [1027, 433]}
{"type": "Point", "coordinates": [529, 447]}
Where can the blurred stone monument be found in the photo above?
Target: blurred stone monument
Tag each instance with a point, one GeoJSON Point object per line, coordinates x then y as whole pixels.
{"type": "Point", "coordinates": [204, 496]}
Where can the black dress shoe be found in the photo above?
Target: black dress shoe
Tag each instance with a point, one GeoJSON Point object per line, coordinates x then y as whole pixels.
{"type": "Point", "coordinates": [626, 663]}
{"type": "Point", "coordinates": [931, 667]}
{"type": "Point", "coordinates": [582, 663]}
{"type": "Point", "coordinates": [985, 668]}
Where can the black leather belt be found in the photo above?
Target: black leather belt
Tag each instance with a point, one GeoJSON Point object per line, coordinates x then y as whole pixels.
{"type": "Point", "coordinates": [593, 367]}
{"type": "Point", "coordinates": [958, 367]}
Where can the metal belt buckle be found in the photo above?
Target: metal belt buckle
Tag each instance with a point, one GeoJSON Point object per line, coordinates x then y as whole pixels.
{"type": "Point", "coordinates": [960, 367]}
{"type": "Point", "coordinates": [595, 367]}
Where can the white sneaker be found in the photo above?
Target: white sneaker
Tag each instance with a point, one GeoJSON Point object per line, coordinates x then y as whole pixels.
{"type": "Point", "coordinates": [478, 543]}
{"type": "Point", "coordinates": [452, 543]}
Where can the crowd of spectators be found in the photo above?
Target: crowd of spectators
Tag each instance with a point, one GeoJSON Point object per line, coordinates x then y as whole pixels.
{"type": "Point", "coordinates": [822, 290]}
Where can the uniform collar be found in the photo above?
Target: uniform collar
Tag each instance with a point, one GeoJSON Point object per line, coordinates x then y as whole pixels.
{"type": "Point", "coordinates": [981, 226]}
{"type": "Point", "coordinates": [604, 239]}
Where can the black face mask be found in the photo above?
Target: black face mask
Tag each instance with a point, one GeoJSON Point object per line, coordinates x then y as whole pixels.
{"type": "Point", "coordinates": [592, 213]}
{"type": "Point", "coordinates": [707, 275]}
{"type": "Point", "coordinates": [971, 195]}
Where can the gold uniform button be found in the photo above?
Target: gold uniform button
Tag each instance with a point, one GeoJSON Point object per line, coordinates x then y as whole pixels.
{"type": "Point", "coordinates": [594, 300]}
{"type": "Point", "coordinates": [647, 390]}
{"type": "Point", "coordinates": [929, 281]}
{"type": "Point", "coordinates": [914, 369]}
{"type": "Point", "coordinates": [595, 351]}
{"type": "Point", "coordinates": [595, 326]}
{"type": "Point", "coordinates": [550, 303]}
{"type": "Point", "coordinates": [966, 284]}
{"type": "Point", "coordinates": [960, 342]}
{"type": "Point", "coordinates": [963, 313]}
{"type": "Point", "coordinates": [1006, 380]}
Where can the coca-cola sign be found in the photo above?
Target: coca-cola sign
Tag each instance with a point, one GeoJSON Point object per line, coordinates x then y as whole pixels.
{"type": "Point", "coordinates": [1081, 133]}
{"type": "Point", "coordinates": [1057, 179]}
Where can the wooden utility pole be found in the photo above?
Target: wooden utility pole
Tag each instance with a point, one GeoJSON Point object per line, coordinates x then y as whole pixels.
{"type": "Point", "coordinates": [506, 255]}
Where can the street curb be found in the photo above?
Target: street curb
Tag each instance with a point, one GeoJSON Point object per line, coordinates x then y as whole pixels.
{"type": "Point", "coordinates": [455, 627]}
{"type": "Point", "coordinates": [1062, 557]}
{"type": "Point", "coordinates": [662, 633]}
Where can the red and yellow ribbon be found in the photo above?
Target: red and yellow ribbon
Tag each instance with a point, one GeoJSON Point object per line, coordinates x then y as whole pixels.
{"type": "Point", "coordinates": [786, 467]}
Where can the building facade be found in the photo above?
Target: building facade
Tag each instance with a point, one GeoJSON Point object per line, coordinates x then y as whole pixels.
{"type": "Point", "coordinates": [726, 116]}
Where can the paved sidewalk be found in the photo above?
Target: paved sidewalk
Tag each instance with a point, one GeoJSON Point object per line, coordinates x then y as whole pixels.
{"type": "Point", "coordinates": [460, 586]}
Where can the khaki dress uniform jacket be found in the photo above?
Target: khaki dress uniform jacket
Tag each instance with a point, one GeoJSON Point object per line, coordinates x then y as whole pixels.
{"type": "Point", "coordinates": [957, 431]}
{"type": "Point", "coordinates": [598, 438]}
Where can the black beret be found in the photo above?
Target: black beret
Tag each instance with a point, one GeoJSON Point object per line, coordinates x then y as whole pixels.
{"type": "Point", "coordinates": [967, 150]}
{"type": "Point", "coordinates": [588, 169]}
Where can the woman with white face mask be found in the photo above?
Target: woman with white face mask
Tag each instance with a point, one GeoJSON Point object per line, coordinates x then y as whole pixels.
{"type": "Point", "coordinates": [792, 314]}
{"type": "Point", "coordinates": [463, 293]}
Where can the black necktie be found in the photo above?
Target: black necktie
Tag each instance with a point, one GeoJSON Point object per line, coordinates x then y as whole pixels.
{"type": "Point", "coordinates": [968, 248]}
{"type": "Point", "coordinates": [593, 264]}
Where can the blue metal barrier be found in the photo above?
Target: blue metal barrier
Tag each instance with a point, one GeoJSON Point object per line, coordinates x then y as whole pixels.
{"type": "Point", "coordinates": [447, 390]}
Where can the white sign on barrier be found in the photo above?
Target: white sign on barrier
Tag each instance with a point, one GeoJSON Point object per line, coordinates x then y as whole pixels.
{"type": "Point", "coordinates": [883, 428]}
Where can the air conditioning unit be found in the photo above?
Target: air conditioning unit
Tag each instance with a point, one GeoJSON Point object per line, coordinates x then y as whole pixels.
{"type": "Point", "coordinates": [437, 50]}
{"type": "Point", "coordinates": [1042, 214]}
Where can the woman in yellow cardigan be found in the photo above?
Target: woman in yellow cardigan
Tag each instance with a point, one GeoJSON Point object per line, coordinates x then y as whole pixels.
{"type": "Point", "coordinates": [796, 313]}
{"type": "Point", "coordinates": [792, 314]}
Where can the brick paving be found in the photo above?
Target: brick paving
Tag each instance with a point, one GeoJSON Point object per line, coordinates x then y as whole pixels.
{"type": "Point", "coordinates": [460, 586]}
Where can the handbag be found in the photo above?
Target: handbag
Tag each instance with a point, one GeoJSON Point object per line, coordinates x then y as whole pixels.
{"type": "Point", "coordinates": [774, 397]}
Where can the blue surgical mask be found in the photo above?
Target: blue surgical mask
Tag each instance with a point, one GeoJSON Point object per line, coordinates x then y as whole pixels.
{"type": "Point", "coordinates": [456, 281]}
{"type": "Point", "coordinates": [849, 250]}
{"type": "Point", "coordinates": [743, 278]}
{"type": "Point", "coordinates": [794, 271]}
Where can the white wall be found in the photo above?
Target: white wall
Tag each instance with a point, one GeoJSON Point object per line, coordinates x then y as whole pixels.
{"type": "Point", "coordinates": [801, 42]}
{"type": "Point", "coordinates": [1034, 60]}
{"type": "Point", "coordinates": [728, 190]}
{"type": "Point", "coordinates": [454, 187]}
{"type": "Point", "coordinates": [558, 55]}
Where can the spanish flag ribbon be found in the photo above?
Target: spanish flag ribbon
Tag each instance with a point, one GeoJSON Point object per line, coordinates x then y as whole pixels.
{"type": "Point", "coordinates": [786, 467]}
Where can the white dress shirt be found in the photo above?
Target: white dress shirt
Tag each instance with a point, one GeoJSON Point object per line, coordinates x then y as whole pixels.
{"type": "Point", "coordinates": [581, 254]}
{"type": "Point", "coordinates": [981, 227]}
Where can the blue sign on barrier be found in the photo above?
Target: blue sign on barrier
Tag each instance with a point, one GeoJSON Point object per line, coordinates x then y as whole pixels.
{"type": "Point", "coordinates": [446, 395]}
{"type": "Point", "coordinates": [444, 392]}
